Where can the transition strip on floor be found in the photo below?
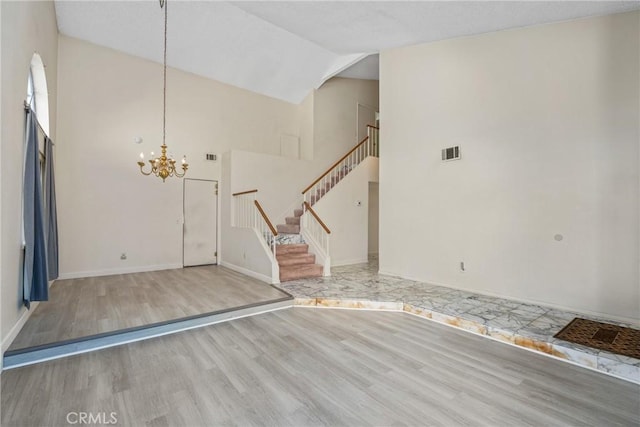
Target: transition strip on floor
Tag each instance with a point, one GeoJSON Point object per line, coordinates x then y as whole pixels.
{"type": "Point", "coordinates": [33, 355]}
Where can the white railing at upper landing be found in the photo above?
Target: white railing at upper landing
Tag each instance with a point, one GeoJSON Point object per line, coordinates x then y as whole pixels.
{"type": "Point", "coordinates": [369, 146]}
{"type": "Point", "coordinates": [248, 213]}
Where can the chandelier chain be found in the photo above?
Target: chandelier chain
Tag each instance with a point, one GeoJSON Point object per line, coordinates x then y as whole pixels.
{"type": "Point", "coordinates": [163, 4]}
{"type": "Point", "coordinates": [164, 166]}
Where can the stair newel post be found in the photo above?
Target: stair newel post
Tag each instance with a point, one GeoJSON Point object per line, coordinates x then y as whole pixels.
{"type": "Point", "coordinates": [326, 246]}
{"type": "Point", "coordinates": [243, 212]}
{"type": "Point", "coordinates": [367, 145]}
{"type": "Point", "coordinates": [247, 214]}
{"type": "Point", "coordinates": [303, 219]}
{"type": "Point", "coordinates": [273, 244]}
{"type": "Point", "coordinates": [254, 219]}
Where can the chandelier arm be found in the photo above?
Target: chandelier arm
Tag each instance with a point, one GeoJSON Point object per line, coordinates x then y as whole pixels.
{"type": "Point", "coordinates": [141, 164]}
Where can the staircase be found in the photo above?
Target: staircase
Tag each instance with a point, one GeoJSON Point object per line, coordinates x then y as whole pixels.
{"type": "Point", "coordinates": [286, 241]}
{"type": "Point", "coordinates": [292, 253]}
{"type": "Point", "coordinates": [324, 189]}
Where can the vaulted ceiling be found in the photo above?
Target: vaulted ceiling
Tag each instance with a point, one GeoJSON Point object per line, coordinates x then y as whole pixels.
{"type": "Point", "coordinates": [284, 49]}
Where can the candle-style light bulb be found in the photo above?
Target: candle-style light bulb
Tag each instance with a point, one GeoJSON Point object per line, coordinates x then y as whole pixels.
{"type": "Point", "coordinates": [141, 156]}
{"type": "Point", "coordinates": [184, 159]}
{"type": "Point", "coordinates": [152, 154]}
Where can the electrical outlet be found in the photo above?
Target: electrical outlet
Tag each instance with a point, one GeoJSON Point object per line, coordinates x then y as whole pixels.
{"type": "Point", "coordinates": [123, 256]}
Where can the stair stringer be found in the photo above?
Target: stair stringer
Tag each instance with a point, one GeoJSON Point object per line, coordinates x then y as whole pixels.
{"type": "Point", "coordinates": [275, 268]}
{"type": "Point", "coordinates": [323, 258]}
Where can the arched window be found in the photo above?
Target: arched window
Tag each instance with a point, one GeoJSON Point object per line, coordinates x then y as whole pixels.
{"type": "Point", "coordinates": [37, 93]}
{"type": "Point", "coordinates": [38, 101]}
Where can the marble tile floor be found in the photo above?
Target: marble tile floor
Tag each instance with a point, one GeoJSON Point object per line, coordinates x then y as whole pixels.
{"type": "Point", "coordinates": [521, 324]}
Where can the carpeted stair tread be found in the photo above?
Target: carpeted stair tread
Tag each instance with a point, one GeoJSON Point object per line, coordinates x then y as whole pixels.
{"type": "Point", "coordinates": [294, 272]}
{"type": "Point", "coordinates": [288, 228]}
{"type": "Point", "coordinates": [293, 220]}
{"type": "Point", "coordinates": [296, 259]}
{"type": "Point", "coordinates": [297, 212]}
{"type": "Point", "coordinates": [299, 248]}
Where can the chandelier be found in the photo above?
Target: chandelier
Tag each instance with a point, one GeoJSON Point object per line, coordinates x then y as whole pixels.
{"type": "Point", "coordinates": [164, 166]}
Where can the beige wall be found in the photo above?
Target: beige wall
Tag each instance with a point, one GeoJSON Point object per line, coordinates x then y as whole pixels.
{"type": "Point", "coordinates": [345, 210]}
{"type": "Point", "coordinates": [106, 100]}
{"type": "Point", "coordinates": [547, 119]}
{"type": "Point", "coordinates": [335, 116]}
{"type": "Point", "coordinates": [27, 27]}
{"type": "Point", "coordinates": [306, 127]}
{"type": "Point", "coordinates": [373, 223]}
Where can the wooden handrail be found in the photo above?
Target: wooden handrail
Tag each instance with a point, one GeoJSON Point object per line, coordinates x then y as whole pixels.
{"type": "Point", "coordinates": [372, 126]}
{"type": "Point", "coordinates": [264, 216]}
{"type": "Point", "coordinates": [315, 215]}
{"type": "Point", "coordinates": [244, 192]}
{"type": "Point", "coordinates": [335, 164]}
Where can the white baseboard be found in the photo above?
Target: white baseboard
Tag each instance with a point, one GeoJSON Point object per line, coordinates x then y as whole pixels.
{"type": "Point", "coordinates": [111, 272]}
{"type": "Point", "coordinates": [349, 262]}
{"type": "Point", "coordinates": [247, 272]}
{"type": "Point", "coordinates": [13, 333]}
{"type": "Point", "coordinates": [17, 327]}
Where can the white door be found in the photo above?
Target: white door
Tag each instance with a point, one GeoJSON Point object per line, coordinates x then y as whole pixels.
{"type": "Point", "coordinates": [200, 222]}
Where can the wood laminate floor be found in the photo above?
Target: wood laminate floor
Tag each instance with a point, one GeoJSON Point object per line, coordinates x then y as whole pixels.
{"type": "Point", "coordinates": [88, 306]}
{"type": "Point", "coordinates": [308, 366]}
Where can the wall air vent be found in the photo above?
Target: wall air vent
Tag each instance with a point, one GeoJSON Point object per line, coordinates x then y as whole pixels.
{"type": "Point", "coordinates": [211, 157]}
{"type": "Point", "coordinates": [451, 153]}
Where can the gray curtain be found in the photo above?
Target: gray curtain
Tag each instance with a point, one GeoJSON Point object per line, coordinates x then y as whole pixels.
{"type": "Point", "coordinates": [51, 216]}
{"type": "Point", "coordinates": [35, 278]}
